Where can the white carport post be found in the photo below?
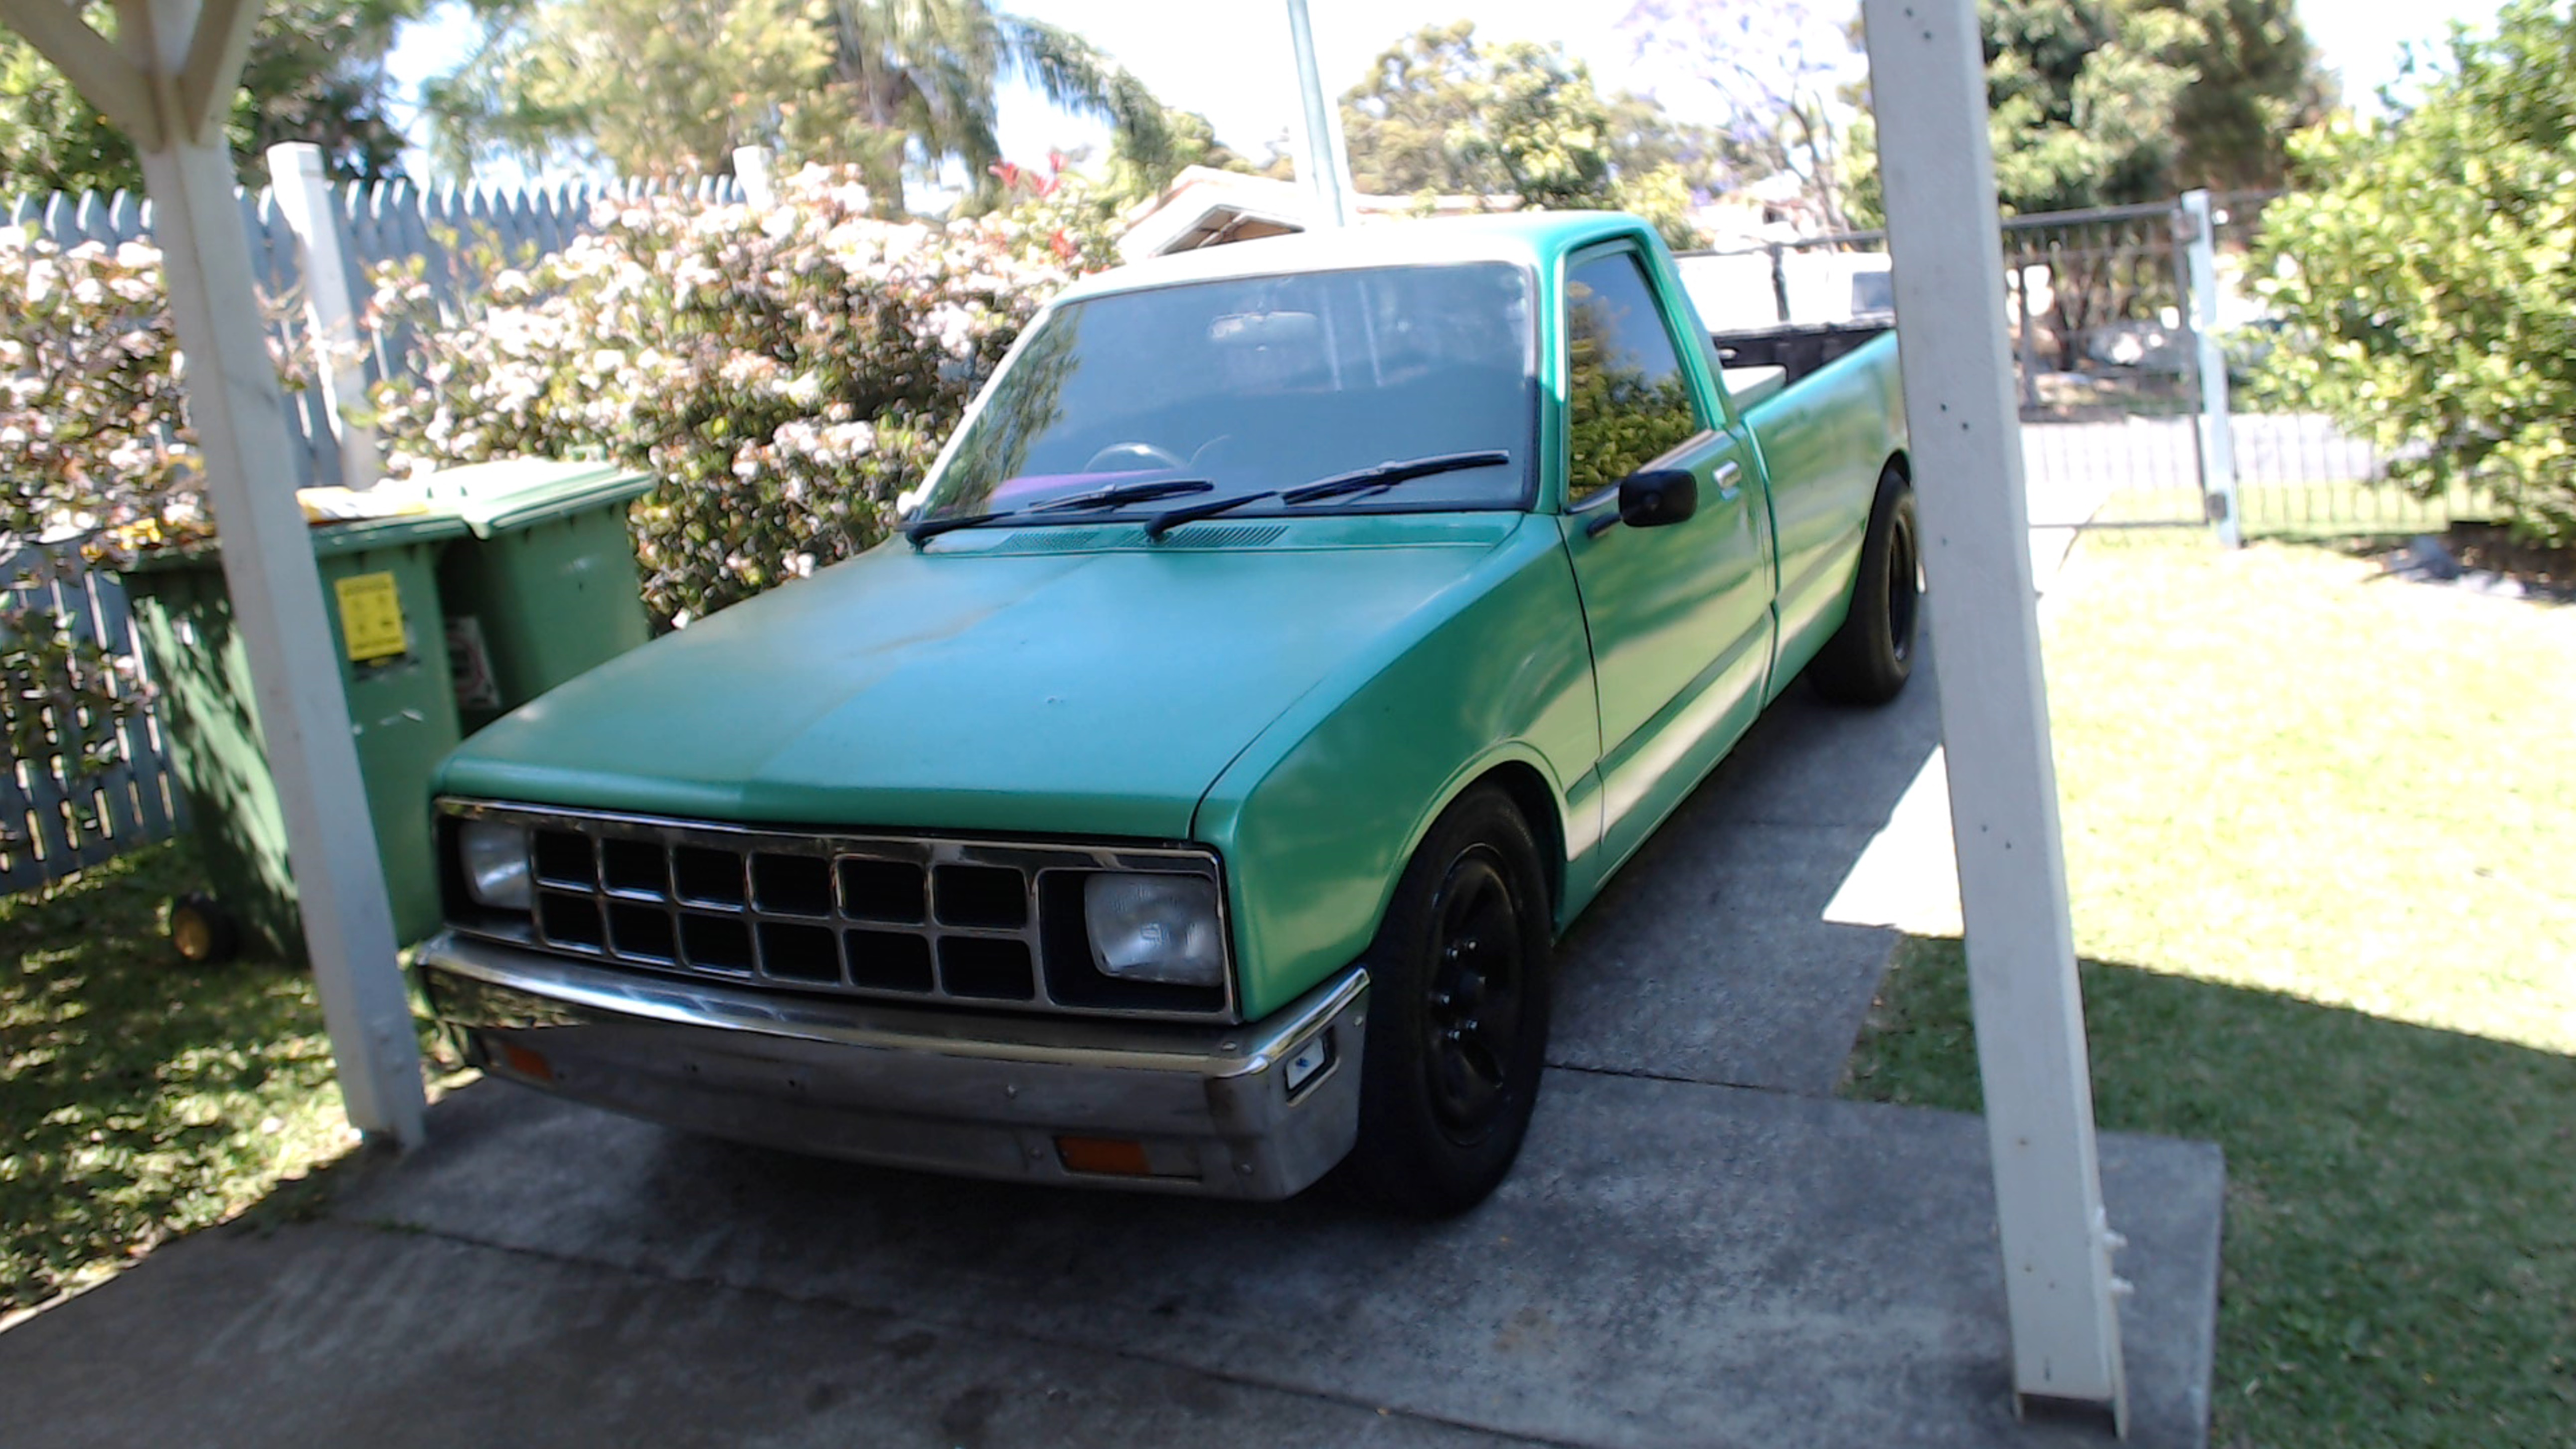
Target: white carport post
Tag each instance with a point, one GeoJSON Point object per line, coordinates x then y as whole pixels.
{"type": "Point", "coordinates": [1927, 78]}
{"type": "Point", "coordinates": [170, 91]}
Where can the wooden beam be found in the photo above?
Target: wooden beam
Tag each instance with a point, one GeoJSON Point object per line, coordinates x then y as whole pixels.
{"type": "Point", "coordinates": [213, 69]}
{"type": "Point", "coordinates": [280, 623]}
{"type": "Point", "coordinates": [104, 78]}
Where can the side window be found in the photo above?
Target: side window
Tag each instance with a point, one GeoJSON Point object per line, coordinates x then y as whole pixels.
{"type": "Point", "coordinates": [1628, 401]}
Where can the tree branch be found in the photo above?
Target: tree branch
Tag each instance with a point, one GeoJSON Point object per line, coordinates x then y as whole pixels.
{"type": "Point", "coordinates": [104, 78]}
{"type": "Point", "coordinates": [212, 71]}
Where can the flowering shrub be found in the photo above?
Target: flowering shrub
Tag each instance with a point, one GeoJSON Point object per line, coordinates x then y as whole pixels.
{"type": "Point", "coordinates": [786, 373]}
{"type": "Point", "coordinates": [95, 451]}
{"type": "Point", "coordinates": [1056, 216]}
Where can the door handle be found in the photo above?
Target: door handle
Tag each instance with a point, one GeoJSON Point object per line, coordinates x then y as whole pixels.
{"type": "Point", "coordinates": [1729, 478]}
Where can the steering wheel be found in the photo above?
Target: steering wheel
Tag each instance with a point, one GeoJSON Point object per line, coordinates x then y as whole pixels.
{"type": "Point", "coordinates": [1102, 461]}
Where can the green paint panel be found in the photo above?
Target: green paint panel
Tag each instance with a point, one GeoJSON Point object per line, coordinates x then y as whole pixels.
{"type": "Point", "coordinates": [975, 687]}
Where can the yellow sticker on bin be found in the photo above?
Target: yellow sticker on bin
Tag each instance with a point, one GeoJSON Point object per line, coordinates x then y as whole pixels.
{"type": "Point", "coordinates": [371, 620]}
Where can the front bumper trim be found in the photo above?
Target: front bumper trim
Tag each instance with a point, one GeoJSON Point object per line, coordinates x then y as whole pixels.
{"type": "Point", "coordinates": [955, 1091]}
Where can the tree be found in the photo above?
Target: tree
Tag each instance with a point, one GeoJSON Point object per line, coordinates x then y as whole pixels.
{"type": "Point", "coordinates": [2422, 276]}
{"type": "Point", "coordinates": [2082, 99]}
{"type": "Point", "coordinates": [2113, 102]}
{"type": "Point", "coordinates": [315, 72]}
{"type": "Point", "coordinates": [1441, 112]}
{"type": "Point", "coordinates": [902, 87]}
{"type": "Point", "coordinates": [2259, 81]}
{"type": "Point", "coordinates": [1777, 65]}
{"type": "Point", "coordinates": [648, 89]}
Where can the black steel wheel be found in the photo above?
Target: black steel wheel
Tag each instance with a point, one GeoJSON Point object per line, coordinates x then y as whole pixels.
{"type": "Point", "coordinates": [1458, 1015]}
{"type": "Point", "coordinates": [1870, 657]}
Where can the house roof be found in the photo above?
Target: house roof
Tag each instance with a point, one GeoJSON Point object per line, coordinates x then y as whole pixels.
{"type": "Point", "coordinates": [1204, 207]}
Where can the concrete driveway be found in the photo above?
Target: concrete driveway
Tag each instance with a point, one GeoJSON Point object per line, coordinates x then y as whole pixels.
{"type": "Point", "coordinates": [1700, 1245]}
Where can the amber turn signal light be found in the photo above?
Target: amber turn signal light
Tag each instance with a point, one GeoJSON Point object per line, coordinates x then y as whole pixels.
{"type": "Point", "coordinates": [525, 1062]}
{"type": "Point", "coordinates": [1113, 1156]}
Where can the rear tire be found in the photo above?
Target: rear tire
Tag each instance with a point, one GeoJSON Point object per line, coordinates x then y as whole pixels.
{"type": "Point", "coordinates": [1872, 655]}
{"type": "Point", "coordinates": [1457, 1015]}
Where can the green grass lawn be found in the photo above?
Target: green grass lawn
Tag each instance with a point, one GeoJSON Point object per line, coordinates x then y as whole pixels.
{"type": "Point", "coordinates": [141, 1098]}
{"type": "Point", "coordinates": [2321, 841]}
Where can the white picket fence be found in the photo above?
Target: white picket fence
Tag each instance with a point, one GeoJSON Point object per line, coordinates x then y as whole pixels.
{"type": "Point", "coordinates": [50, 824]}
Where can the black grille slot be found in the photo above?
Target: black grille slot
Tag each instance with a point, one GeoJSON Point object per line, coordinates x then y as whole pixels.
{"type": "Point", "coordinates": [709, 877]}
{"type": "Point", "coordinates": [883, 890]}
{"type": "Point", "coordinates": [889, 961]}
{"type": "Point", "coordinates": [791, 885]}
{"type": "Point", "coordinates": [799, 953]}
{"type": "Point", "coordinates": [570, 920]}
{"type": "Point", "coordinates": [642, 931]}
{"type": "Point", "coordinates": [563, 858]}
{"type": "Point", "coordinates": [994, 970]}
{"type": "Point", "coordinates": [993, 897]}
{"type": "Point", "coordinates": [716, 943]}
{"type": "Point", "coordinates": [639, 866]}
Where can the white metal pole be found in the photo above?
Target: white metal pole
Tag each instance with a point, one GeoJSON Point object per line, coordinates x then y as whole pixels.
{"type": "Point", "coordinates": [239, 412]}
{"type": "Point", "coordinates": [304, 198]}
{"type": "Point", "coordinates": [1937, 168]}
{"type": "Point", "coordinates": [1325, 160]}
{"type": "Point", "coordinates": [2217, 437]}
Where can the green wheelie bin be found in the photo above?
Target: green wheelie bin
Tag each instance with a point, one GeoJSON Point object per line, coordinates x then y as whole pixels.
{"type": "Point", "coordinates": [380, 595]}
{"type": "Point", "coordinates": [544, 587]}
{"type": "Point", "coordinates": [508, 579]}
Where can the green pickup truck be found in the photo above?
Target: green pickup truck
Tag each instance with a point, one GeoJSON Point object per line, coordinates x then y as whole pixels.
{"type": "Point", "coordinates": [1291, 641]}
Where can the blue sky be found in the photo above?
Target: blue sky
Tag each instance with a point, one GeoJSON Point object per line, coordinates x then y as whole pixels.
{"type": "Point", "coordinates": [1228, 59]}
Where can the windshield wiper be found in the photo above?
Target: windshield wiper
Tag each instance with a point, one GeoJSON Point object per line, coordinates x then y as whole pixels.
{"type": "Point", "coordinates": [1165, 522]}
{"type": "Point", "coordinates": [1387, 475]}
{"type": "Point", "coordinates": [1123, 493]}
{"type": "Point", "coordinates": [1366, 480]}
{"type": "Point", "coordinates": [1117, 497]}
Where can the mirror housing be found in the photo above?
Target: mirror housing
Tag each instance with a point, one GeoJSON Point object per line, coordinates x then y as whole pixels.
{"type": "Point", "coordinates": [1653, 497]}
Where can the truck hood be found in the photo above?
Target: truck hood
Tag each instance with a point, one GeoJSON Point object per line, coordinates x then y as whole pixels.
{"type": "Point", "coordinates": [1010, 685]}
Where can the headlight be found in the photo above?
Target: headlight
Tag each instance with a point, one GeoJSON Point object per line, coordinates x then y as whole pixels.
{"type": "Point", "coordinates": [495, 856]}
{"type": "Point", "coordinates": [1155, 928]}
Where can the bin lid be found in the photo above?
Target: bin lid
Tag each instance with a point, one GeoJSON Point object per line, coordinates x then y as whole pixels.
{"type": "Point", "coordinates": [513, 493]}
{"type": "Point", "coordinates": [329, 539]}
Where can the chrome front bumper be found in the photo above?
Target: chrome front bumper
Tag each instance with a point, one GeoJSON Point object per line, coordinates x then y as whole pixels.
{"type": "Point", "coordinates": [975, 1093]}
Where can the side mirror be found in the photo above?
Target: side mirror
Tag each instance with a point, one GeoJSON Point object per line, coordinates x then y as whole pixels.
{"type": "Point", "coordinates": [1653, 497]}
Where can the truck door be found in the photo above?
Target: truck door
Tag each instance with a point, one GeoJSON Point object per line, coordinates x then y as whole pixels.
{"type": "Point", "coordinates": [1680, 614]}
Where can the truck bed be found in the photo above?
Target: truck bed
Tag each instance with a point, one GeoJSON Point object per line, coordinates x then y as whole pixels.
{"type": "Point", "coordinates": [1797, 350]}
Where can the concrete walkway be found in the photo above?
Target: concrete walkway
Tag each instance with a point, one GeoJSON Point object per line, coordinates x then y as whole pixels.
{"type": "Point", "coordinates": [1701, 1246]}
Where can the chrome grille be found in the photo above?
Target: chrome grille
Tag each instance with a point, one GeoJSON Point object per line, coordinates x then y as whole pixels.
{"type": "Point", "coordinates": [899, 916]}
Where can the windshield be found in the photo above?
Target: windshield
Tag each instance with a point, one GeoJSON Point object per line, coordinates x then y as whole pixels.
{"type": "Point", "coordinates": [1259, 384]}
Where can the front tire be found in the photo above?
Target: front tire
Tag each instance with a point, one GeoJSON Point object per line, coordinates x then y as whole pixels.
{"type": "Point", "coordinates": [1458, 1015]}
{"type": "Point", "coordinates": [1872, 655]}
